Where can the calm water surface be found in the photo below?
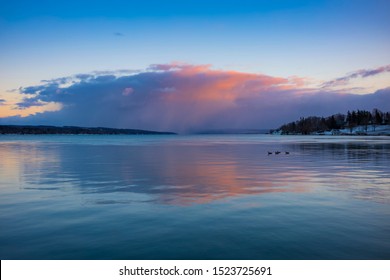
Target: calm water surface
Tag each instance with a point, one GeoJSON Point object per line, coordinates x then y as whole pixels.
{"type": "Point", "coordinates": [194, 197]}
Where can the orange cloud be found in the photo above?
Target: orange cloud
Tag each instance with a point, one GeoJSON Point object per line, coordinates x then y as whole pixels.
{"type": "Point", "coordinates": [200, 82]}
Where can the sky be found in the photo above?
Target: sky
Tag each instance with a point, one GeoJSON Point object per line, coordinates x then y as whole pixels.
{"type": "Point", "coordinates": [191, 65]}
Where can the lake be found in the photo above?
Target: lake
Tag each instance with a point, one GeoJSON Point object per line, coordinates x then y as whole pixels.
{"type": "Point", "coordinates": [194, 197]}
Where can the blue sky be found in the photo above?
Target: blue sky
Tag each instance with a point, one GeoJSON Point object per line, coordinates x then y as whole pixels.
{"type": "Point", "coordinates": [316, 40]}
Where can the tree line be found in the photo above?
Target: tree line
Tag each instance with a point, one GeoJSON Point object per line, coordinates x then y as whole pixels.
{"type": "Point", "coordinates": [42, 129]}
{"type": "Point", "coordinates": [335, 122]}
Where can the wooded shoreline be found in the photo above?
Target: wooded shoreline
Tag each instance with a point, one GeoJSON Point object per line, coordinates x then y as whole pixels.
{"type": "Point", "coordinates": [41, 129]}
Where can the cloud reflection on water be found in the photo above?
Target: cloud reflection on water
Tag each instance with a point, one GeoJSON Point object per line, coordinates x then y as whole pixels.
{"type": "Point", "coordinates": [197, 174]}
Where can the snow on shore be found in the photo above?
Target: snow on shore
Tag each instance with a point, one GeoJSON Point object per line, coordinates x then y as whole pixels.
{"type": "Point", "coordinates": [357, 130]}
{"type": "Point", "coordinates": [367, 130]}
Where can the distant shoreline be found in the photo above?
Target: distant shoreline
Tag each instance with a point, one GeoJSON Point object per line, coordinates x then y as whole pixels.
{"type": "Point", "coordinates": [366, 130]}
{"type": "Point", "coordinates": [333, 135]}
{"type": "Point", "coordinates": [73, 130]}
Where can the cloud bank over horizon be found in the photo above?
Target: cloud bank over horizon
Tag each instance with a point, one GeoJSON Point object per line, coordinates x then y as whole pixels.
{"type": "Point", "coordinates": [184, 98]}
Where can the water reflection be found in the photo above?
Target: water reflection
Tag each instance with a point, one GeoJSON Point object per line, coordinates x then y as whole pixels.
{"type": "Point", "coordinates": [195, 174]}
{"type": "Point", "coordinates": [194, 198]}
{"type": "Point", "coordinates": [360, 168]}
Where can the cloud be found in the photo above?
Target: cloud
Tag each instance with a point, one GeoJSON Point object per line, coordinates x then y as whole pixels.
{"type": "Point", "coordinates": [182, 97]}
{"type": "Point", "coordinates": [362, 73]}
{"type": "Point", "coordinates": [2, 101]}
{"type": "Point", "coordinates": [30, 102]}
{"type": "Point", "coordinates": [119, 34]}
{"type": "Point", "coordinates": [78, 78]}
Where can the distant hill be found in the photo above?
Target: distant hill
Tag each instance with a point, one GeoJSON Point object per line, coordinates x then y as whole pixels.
{"type": "Point", "coordinates": [41, 129]}
{"type": "Point", "coordinates": [233, 131]}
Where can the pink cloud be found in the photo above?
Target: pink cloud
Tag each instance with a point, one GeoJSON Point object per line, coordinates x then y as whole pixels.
{"type": "Point", "coordinates": [182, 97]}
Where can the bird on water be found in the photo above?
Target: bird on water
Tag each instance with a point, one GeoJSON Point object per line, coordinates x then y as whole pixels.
{"type": "Point", "coordinates": [278, 152]}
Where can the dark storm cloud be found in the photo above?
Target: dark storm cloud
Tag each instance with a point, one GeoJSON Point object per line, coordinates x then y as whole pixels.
{"type": "Point", "coordinates": [182, 97]}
